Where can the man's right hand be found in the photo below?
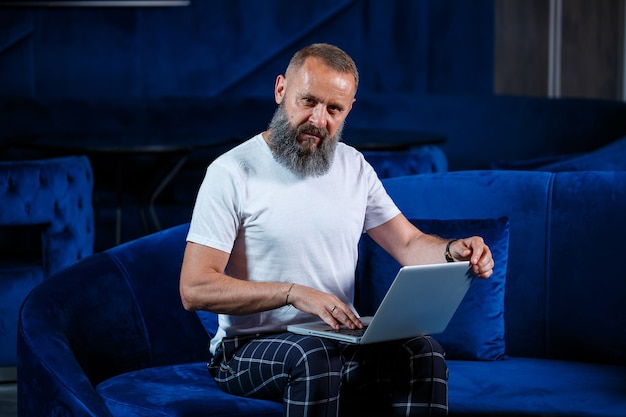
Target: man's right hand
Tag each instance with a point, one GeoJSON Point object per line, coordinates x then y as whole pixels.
{"type": "Point", "coordinates": [327, 306]}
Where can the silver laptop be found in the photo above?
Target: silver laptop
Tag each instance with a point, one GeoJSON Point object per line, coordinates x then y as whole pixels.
{"type": "Point", "coordinates": [421, 301]}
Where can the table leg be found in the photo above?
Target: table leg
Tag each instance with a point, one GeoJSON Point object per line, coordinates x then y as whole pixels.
{"type": "Point", "coordinates": [155, 191]}
{"type": "Point", "coordinates": [119, 196]}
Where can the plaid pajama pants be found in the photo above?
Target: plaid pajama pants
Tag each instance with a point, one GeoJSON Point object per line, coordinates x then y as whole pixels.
{"type": "Point", "coordinates": [310, 375]}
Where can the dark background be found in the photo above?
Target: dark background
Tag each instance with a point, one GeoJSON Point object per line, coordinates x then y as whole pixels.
{"type": "Point", "coordinates": [475, 73]}
{"type": "Point", "coordinates": [236, 47]}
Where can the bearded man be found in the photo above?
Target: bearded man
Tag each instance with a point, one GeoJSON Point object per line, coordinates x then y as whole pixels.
{"type": "Point", "coordinates": [273, 241]}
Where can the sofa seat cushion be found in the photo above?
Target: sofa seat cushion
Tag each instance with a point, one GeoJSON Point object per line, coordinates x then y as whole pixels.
{"type": "Point", "coordinates": [521, 386]}
{"type": "Point", "coordinates": [177, 390]}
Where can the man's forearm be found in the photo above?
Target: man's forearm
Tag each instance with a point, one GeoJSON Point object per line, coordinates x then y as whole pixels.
{"type": "Point", "coordinates": [222, 294]}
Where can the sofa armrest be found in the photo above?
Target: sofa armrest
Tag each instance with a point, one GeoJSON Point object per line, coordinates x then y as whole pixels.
{"type": "Point", "coordinates": [112, 313]}
{"type": "Point", "coordinates": [65, 344]}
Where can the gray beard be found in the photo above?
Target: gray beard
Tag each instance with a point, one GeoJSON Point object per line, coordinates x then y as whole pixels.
{"type": "Point", "coordinates": [301, 159]}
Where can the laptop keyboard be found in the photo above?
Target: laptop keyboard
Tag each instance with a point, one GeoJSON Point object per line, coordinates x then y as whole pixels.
{"type": "Point", "coordinates": [349, 332]}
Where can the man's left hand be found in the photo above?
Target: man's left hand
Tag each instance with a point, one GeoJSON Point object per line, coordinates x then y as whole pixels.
{"type": "Point", "coordinates": [474, 250]}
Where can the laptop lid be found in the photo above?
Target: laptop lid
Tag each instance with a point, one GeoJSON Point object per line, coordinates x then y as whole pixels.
{"type": "Point", "coordinates": [420, 301]}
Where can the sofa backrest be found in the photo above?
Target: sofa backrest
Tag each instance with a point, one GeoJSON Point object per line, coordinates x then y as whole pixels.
{"type": "Point", "coordinates": [585, 279]}
{"type": "Point", "coordinates": [564, 285]}
{"type": "Point", "coordinates": [54, 197]}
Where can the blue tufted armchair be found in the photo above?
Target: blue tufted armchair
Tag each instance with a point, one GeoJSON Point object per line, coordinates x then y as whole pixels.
{"type": "Point", "coordinates": [46, 224]}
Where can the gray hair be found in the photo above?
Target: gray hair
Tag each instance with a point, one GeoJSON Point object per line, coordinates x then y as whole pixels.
{"type": "Point", "coordinates": [330, 55]}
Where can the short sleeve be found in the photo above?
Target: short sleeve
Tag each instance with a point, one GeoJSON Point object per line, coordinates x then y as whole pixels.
{"type": "Point", "coordinates": [215, 219]}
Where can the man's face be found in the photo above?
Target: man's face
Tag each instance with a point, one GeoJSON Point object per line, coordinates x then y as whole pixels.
{"type": "Point", "coordinates": [301, 158]}
{"type": "Point", "coordinates": [314, 102]}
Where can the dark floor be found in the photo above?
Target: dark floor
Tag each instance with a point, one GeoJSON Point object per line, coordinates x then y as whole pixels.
{"type": "Point", "coordinates": [8, 399]}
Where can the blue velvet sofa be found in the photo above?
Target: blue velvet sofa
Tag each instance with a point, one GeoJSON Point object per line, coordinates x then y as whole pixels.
{"type": "Point", "coordinates": [544, 336]}
{"type": "Point", "coordinates": [46, 224]}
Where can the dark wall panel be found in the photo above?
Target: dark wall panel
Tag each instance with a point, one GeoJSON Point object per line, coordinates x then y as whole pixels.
{"type": "Point", "coordinates": [590, 58]}
{"type": "Point", "coordinates": [521, 47]}
{"type": "Point", "coordinates": [17, 76]}
{"type": "Point", "coordinates": [237, 47]}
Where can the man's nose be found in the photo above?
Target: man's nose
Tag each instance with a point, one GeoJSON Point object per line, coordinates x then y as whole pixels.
{"type": "Point", "coordinates": [318, 116]}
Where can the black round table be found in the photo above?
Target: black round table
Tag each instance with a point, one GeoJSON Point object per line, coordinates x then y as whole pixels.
{"type": "Point", "coordinates": [121, 155]}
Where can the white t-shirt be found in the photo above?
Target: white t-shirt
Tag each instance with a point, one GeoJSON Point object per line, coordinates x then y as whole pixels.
{"type": "Point", "coordinates": [280, 227]}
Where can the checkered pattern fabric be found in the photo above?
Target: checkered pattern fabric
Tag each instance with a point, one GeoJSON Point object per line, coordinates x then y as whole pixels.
{"type": "Point", "coordinates": [310, 374]}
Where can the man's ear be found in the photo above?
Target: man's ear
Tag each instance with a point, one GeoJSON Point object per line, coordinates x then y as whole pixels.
{"type": "Point", "coordinates": [279, 89]}
{"type": "Point", "coordinates": [351, 104]}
